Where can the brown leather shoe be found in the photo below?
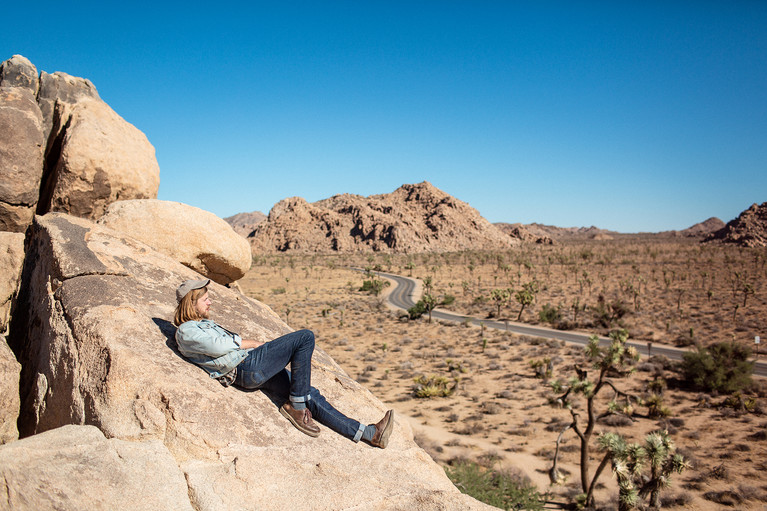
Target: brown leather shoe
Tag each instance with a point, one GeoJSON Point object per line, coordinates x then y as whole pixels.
{"type": "Point", "coordinates": [383, 430]}
{"type": "Point", "coordinates": [301, 419]}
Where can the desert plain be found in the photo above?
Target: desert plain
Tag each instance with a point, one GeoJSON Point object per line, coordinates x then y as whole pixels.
{"type": "Point", "coordinates": [671, 291]}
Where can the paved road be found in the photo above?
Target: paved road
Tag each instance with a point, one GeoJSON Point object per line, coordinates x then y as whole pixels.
{"type": "Point", "coordinates": [403, 296]}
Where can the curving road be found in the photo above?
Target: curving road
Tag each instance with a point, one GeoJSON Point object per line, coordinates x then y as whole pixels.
{"type": "Point", "coordinates": [407, 292]}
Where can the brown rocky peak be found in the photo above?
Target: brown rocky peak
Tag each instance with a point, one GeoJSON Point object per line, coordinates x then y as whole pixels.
{"type": "Point", "coordinates": [748, 230]}
{"type": "Point", "coordinates": [413, 218]}
{"type": "Point", "coordinates": [704, 228]}
{"type": "Point", "coordinates": [244, 223]}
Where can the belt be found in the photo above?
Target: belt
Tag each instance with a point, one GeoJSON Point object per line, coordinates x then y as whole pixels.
{"type": "Point", "coordinates": [228, 378]}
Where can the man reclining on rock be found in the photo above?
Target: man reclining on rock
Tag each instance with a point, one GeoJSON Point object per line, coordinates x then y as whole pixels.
{"type": "Point", "coordinates": [255, 365]}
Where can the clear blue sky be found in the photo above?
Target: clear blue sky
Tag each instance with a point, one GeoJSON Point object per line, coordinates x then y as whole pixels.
{"type": "Point", "coordinates": [631, 116]}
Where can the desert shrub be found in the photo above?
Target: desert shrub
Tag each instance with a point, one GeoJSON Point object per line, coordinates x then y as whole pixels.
{"type": "Point", "coordinates": [543, 368]}
{"type": "Point", "coordinates": [549, 314]}
{"type": "Point", "coordinates": [608, 314]}
{"type": "Point", "coordinates": [417, 310]}
{"type": "Point", "coordinates": [677, 499]}
{"type": "Point", "coordinates": [740, 403]}
{"type": "Point", "coordinates": [433, 386]}
{"type": "Point", "coordinates": [497, 488]}
{"type": "Point", "coordinates": [374, 286]}
{"type": "Point", "coordinates": [725, 497]}
{"type": "Point", "coordinates": [655, 407]}
{"type": "Point", "coordinates": [722, 367]}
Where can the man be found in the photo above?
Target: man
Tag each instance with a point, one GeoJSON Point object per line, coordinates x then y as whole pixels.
{"type": "Point", "coordinates": [252, 364]}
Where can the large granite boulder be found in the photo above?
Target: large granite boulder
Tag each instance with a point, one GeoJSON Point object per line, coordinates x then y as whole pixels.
{"type": "Point", "coordinates": [9, 393]}
{"type": "Point", "coordinates": [60, 87]}
{"type": "Point", "coordinates": [93, 335]}
{"type": "Point", "coordinates": [22, 142]}
{"type": "Point", "coordinates": [102, 159]}
{"type": "Point", "coordinates": [11, 261]}
{"type": "Point", "coordinates": [63, 149]}
{"type": "Point", "coordinates": [18, 71]}
{"type": "Point", "coordinates": [194, 237]}
{"type": "Point", "coordinates": [76, 467]}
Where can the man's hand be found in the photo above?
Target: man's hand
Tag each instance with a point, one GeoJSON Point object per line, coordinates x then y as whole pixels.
{"type": "Point", "coordinates": [250, 343]}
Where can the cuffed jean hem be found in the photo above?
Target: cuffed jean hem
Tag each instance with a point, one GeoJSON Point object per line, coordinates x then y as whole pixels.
{"type": "Point", "coordinates": [358, 435]}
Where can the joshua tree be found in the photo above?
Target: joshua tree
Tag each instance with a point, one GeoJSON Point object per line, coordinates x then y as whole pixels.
{"type": "Point", "coordinates": [500, 297]}
{"type": "Point", "coordinates": [526, 296]}
{"type": "Point", "coordinates": [629, 459]}
{"type": "Point", "coordinates": [428, 301]}
{"type": "Point", "coordinates": [615, 359]}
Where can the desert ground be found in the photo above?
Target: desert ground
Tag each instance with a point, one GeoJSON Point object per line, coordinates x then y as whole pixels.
{"type": "Point", "coordinates": [672, 291]}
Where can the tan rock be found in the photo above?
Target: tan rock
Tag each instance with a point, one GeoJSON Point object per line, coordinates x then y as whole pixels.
{"type": "Point", "coordinates": [10, 370]}
{"type": "Point", "coordinates": [245, 223]}
{"type": "Point", "coordinates": [21, 157]}
{"type": "Point", "coordinates": [413, 218]}
{"type": "Point", "coordinates": [97, 348]}
{"type": "Point", "coordinates": [11, 262]}
{"type": "Point", "coordinates": [18, 71]}
{"type": "Point", "coordinates": [76, 468]}
{"type": "Point", "coordinates": [102, 159]}
{"type": "Point", "coordinates": [194, 237]}
{"type": "Point", "coordinates": [61, 87]}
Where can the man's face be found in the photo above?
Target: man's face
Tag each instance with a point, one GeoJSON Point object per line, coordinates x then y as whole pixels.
{"type": "Point", "coordinates": [202, 306]}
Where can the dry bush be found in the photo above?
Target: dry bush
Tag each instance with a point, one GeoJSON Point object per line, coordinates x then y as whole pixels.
{"type": "Point", "coordinates": [725, 497]}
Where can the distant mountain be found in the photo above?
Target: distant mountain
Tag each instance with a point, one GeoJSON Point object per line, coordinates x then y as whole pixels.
{"type": "Point", "coordinates": [704, 228]}
{"type": "Point", "coordinates": [524, 233]}
{"type": "Point", "coordinates": [748, 230]}
{"type": "Point", "coordinates": [414, 218]}
{"type": "Point", "coordinates": [535, 232]}
{"type": "Point", "coordinates": [245, 223]}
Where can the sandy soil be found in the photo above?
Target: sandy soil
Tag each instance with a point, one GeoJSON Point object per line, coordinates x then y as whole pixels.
{"type": "Point", "coordinates": [499, 414]}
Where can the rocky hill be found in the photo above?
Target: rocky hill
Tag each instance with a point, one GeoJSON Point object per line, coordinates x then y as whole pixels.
{"type": "Point", "coordinates": [413, 218]}
{"type": "Point", "coordinates": [549, 233]}
{"type": "Point", "coordinates": [522, 233]}
{"type": "Point", "coordinates": [704, 228]}
{"type": "Point", "coordinates": [245, 223]}
{"type": "Point", "coordinates": [748, 230]}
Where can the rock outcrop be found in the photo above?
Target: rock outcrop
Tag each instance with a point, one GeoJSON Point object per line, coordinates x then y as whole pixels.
{"type": "Point", "coordinates": [245, 223]}
{"type": "Point", "coordinates": [63, 149]}
{"type": "Point", "coordinates": [9, 393]}
{"type": "Point", "coordinates": [76, 467]}
{"type": "Point", "coordinates": [413, 218]}
{"type": "Point", "coordinates": [102, 159]}
{"type": "Point", "coordinates": [748, 230]}
{"type": "Point", "coordinates": [92, 333]}
{"type": "Point", "coordinates": [22, 141]}
{"type": "Point", "coordinates": [11, 261]}
{"type": "Point", "coordinates": [522, 233]}
{"type": "Point", "coordinates": [703, 228]}
{"type": "Point", "coordinates": [194, 237]}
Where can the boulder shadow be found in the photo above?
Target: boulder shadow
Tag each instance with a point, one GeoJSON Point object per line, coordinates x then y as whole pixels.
{"type": "Point", "coordinates": [168, 329]}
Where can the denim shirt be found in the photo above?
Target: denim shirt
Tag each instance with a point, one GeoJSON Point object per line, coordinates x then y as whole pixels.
{"type": "Point", "coordinates": [215, 349]}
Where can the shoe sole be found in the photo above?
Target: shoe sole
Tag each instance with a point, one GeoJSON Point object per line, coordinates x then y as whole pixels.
{"type": "Point", "coordinates": [384, 441]}
{"type": "Point", "coordinates": [300, 427]}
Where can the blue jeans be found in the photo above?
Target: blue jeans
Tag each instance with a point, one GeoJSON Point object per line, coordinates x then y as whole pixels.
{"type": "Point", "coordinates": [264, 369]}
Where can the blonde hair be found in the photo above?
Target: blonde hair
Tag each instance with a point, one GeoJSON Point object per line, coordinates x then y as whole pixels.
{"type": "Point", "coordinates": [186, 310]}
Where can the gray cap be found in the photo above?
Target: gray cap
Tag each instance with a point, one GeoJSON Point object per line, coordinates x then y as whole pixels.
{"type": "Point", "coordinates": [189, 285]}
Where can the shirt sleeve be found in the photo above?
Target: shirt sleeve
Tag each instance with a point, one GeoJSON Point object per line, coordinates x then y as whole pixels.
{"type": "Point", "coordinates": [206, 339]}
